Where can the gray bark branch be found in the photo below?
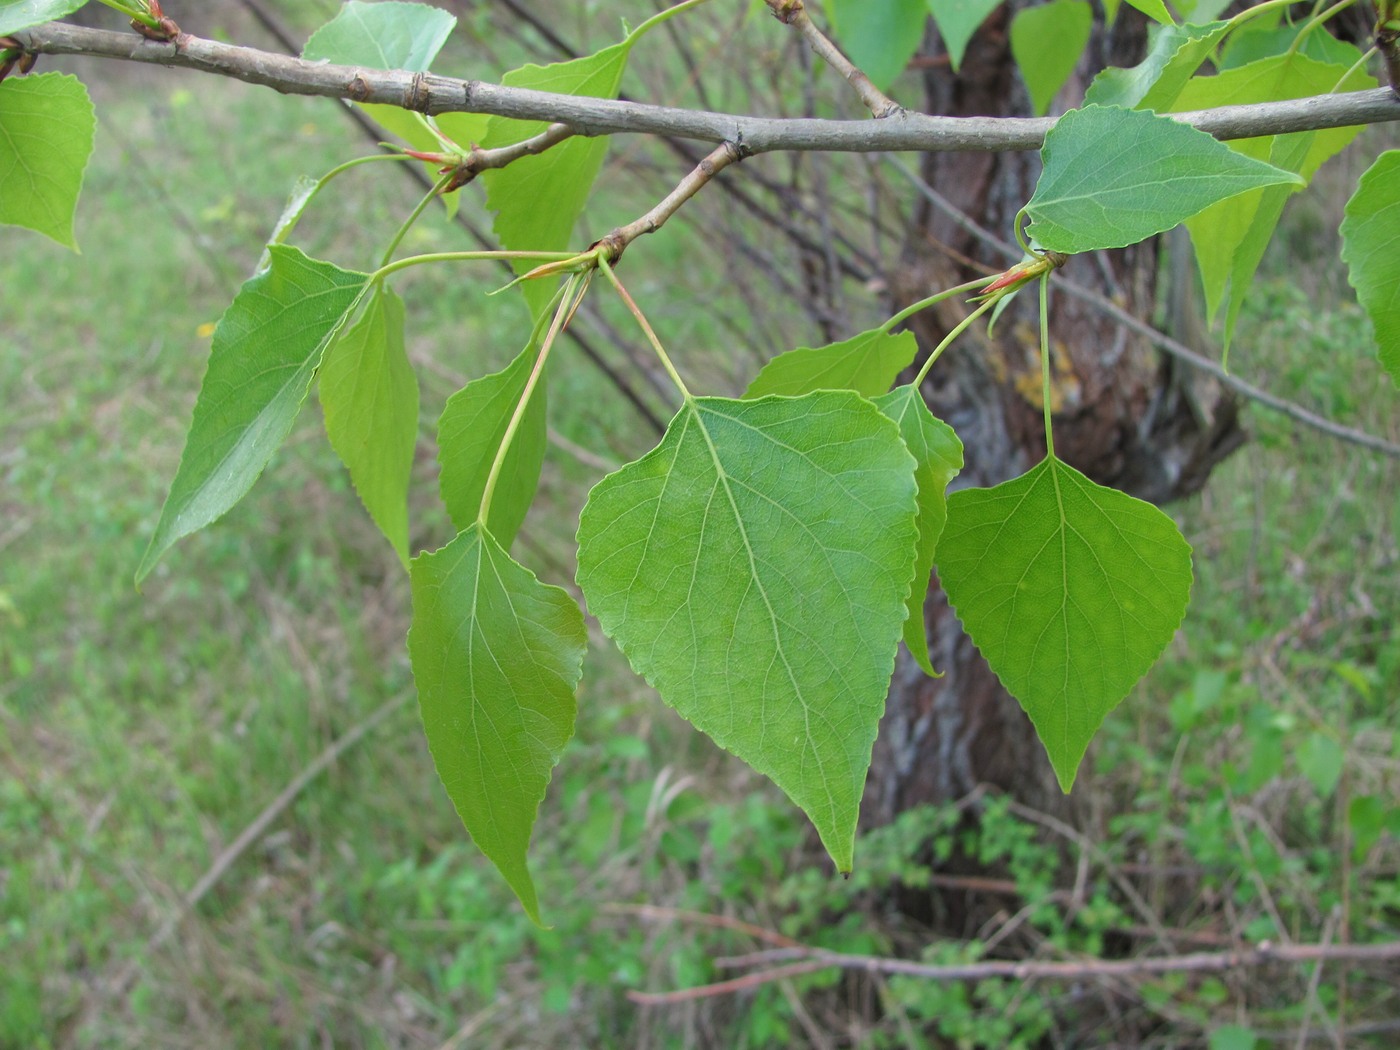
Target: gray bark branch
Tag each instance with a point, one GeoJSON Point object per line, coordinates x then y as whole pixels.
{"type": "Point", "coordinates": [902, 131]}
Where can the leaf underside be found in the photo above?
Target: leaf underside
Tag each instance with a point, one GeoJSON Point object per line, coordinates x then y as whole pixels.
{"type": "Point", "coordinates": [22, 14]}
{"type": "Point", "coordinates": [47, 125]}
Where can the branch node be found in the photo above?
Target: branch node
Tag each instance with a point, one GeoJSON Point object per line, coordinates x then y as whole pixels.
{"type": "Point", "coordinates": [358, 89]}
{"type": "Point", "coordinates": [418, 97]}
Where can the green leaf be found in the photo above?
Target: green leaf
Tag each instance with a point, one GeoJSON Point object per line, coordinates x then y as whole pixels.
{"type": "Point", "coordinates": [1256, 42]}
{"type": "Point", "coordinates": [957, 20]}
{"type": "Point", "coordinates": [538, 199]}
{"type": "Point", "coordinates": [388, 35]}
{"type": "Point", "coordinates": [1047, 41]}
{"type": "Point", "coordinates": [302, 191]}
{"type": "Point", "coordinates": [471, 429]}
{"type": "Point", "coordinates": [938, 455]}
{"type": "Point", "coordinates": [754, 567]}
{"type": "Point", "coordinates": [47, 125]}
{"type": "Point", "coordinates": [866, 363]}
{"type": "Point", "coordinates": [1231, 237]}
{"type": "Point", "coordinates": [1320, 759]}
{"type": "Point", "coordinates": [1176, 52]}
{"type": "Point", "coordinates": [1070, 590]}
{"type": "Point", "coordinates": [1233, 1037]}
{"type": "Point", "coordinates": [496, 656]}
{"type": "Point", "coordinates": [1153, 9]}
{"type": "Point", "coordinates": [879, 36]}
{"type": "Point", "coordinates": [1366, 818]}
{"type": "Point", "coordinates": [1371, 250]}
{"type": "Point", "coordinates": [21, 14]}
{"type": "Point", "coordinates": [266, 350]}
{"type": "Point", "coordinates": [370, 397]}
{"type": "Point", "coordinates": [1113, 177]}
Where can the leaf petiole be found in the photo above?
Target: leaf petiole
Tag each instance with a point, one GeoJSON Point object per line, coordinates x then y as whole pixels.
{"type": "Point", "coordinates": [924, 304]}
{"type": "Point", "coordinates": [636, 312]}
{"type": "Point", "coordinates": [958, 330]}
{"type": "Point", "coordinates": [1045, 360]}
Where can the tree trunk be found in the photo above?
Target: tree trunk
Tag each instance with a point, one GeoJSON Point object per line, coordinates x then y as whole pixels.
{"type": "Point", "coordinates": [1123, 415]}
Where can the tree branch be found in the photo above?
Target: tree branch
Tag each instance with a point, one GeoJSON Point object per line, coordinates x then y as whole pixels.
{"type": "Point", "coordinates": [904, 131]}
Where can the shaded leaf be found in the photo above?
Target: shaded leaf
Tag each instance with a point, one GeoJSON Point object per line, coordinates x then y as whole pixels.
{"type": "Point", "coordinates": [1320, 759]}
{"type": "Point", "coordinates": [1113, 177]}
{"type": "Point", "coordinates": [866, 363]}
{"type": "Point", "coordinates": [938, 456]}
{"type": "Point", "coordinates": [1070, 590]}
{"type": "Point", "coordinates": [538, 199]}
{"type": "Point", "coordinates": [1176, 52]}
{"type": "Point", "coordinates": [266, 349]}
{"type": "Point", "coordinates": [386, 35]}
{"type": "Point", "coordinates": [1153, 9]}
{"type": "Point", "coordinates": [370, 397]}
{"type": "Point", "coordinates": [879, 36]}
{"type": "Point", "coordinates": [496, 656]}
{"type": "Point", "coordinates": [22, 14]}
{"type": "Point", "coordinates": [47, 125]}
{"type": "Point", "coordinates": [957, 20]}
{"type": "Point", "coordinates": [471, 429]}
{"type": "Point", "coordinates": [1047, 41]}
{"type": "Point", "coordinates": [1371, 250]}
{"type": "Point", "coordinates": [754, 567]}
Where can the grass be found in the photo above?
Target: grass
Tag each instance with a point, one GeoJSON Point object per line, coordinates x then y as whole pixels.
{"type": "Point", "coordinates": [141, 733]}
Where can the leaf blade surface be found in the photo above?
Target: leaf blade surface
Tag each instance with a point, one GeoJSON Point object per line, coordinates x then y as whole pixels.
{"type": "Point", "coordinates": [1371, 250]}
{"type": "Point", "coordinates": [866, 363]}
{"type": "Point", "coordinates": [47, 126]}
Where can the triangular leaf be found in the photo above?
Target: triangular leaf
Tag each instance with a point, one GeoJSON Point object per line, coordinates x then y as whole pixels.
{"type": "Point", "coordinates": [1113, 177]}
{"type": "Point", "coordinates": [47, 125]}
{"type": "Point", "coordinates": [938, 455]}
{"type": "Point", "coordinates": [387, 35]}
{"type": "Point", "coordinates": [1070, 590]}
{"type": "Point", "coordinates": [21, 14]}
{"type": "Point", "coordinates": [957, 20]}
{"type": "Point", "coordinates": [1371, 250]}
{"type": "Point", "coordinates": [496, 656]}
{"type": "Point", "coordinates": [266, 349]}
{"type": "Point", "coordinates": [1047, 41]}
{"type": "Point", "coordinates": [866, 363]}
{"type": "Point", "coordinates": [370, 397]}
{"type": "Point", "coordinates": [538, 199]}
{"type": "Point", "coordinates": [754, 567]}
{"type": "Point", "coordinates": [1153, 9]}
{"type": "Point", "coordinates": [1176, 52]}
{"type": "Point", "coordinates": [470, 431]}
{"type": "Point", "coordinates": [879, 36]}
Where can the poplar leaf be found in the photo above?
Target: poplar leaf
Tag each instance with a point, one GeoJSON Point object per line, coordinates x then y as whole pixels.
{"type": "Point", "coordinates": [754, 568]}
{"type": "Point", "coordinates": [957, 20]}
{"type": "Point", "coordinates": [1371, 250]}
{"type": "Point", "coordinates": [386, 35]}
{"type": "Point", "coordinates": [1113, 177]}
{"type": "Point", "coordinates": [47, 125]}
{"type": "Point", "coordinates": [879, 36]}
{"type": "Point", "coordinates": [370, 397]}
{"type": "Point", "coordinates": [471, 429]}
{"type": "Point", "coordinates": [22, 14]}
{"type": "Point", "coordinates": [497, 656]}
{"type": "Point", "coordinates": [1153, 9]}
{"type": "Point", "coordinates": [1176, 52]}
{"type": "Point", "coordinates": [266, 350]}
{"type": "Point", "coordinates": [538, 199]}
{"type": "Point", "coordinates": [1046, 42]}
{"type": "Point", "coordinates": [1070, 590]}
{"type": "Point", "coordinates": [866, 363]}
{"type": "Point", "coordinates": [938, 456]}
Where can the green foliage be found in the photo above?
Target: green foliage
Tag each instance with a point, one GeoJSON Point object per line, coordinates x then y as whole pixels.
{"type": "Point", "coordinates": [866, 363]}
{"type": "Point", "coordinates": [1070, 590]}
{"type": "Point", "coordinates": [385, 35]}
{"type": "Point", "coordinates": [957, 20]}
{"type": "Point", "coordinates": [497, 656]}
{"type": "Point", "coordinates": [1173, 56]}
{"type": "Point", "coordinates": [21, 14]}
{"type": "Point", "coordinates": [1047, 41]}
{"type": "Point", "coordinates": [779, 535]}
{"type": "Point", "coordinates": [879, 36]}
{"type": "Point", "coordinates": [1369, 250]}
{"type": "Point", "coordinates": [46, 130]}
{"type": "Point", "coordinates": [1115, 176]}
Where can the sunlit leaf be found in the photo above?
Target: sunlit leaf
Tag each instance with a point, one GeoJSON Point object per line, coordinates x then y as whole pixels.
{"type": "Point", "coordinates": [21, 14]}
{"type": "Point", "coordinates": [866, 363]}
{"type": "Point", "coordinates": [1070, 590]}
{"type": "Point", "coordinates": [370, 397]}
{"type": "Point", "coordinates": [754, 568]}
{"type": "Point", "coordinates": [386, 35]}
{"type": "Point", "coordinates": [47, 125]}
{"type": "Point", "coordinates": [1371, 250]}
{"type": "Point", "coordinates": [469, 433]}
{"type": "Point", "coordinates": [939, 456]}
{"type": "Point", "coordinates": [957, 20]}
{"type": "Point", "coordinates": [266, 350]}
{"type": "Point", "coordinates": [879, 36]}
{"type": "Point", "coordinates": [538, 199]}
{"type": "Point", "coordinates": [1153, 9]}
{"type": "Point", "coordinates": [1113, 177]}
{"type": "Point", "coordinates": [496, 656]}
{"type": "Point", "coordinates": [1047, 41]}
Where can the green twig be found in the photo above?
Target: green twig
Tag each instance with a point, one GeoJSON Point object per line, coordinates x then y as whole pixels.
{"type": "Point", "coordinates": [948, 339]}
{"type": "Point", "coordinates": [1315, 21]}
{"type": "Point", "coordinates": [924, 304]}
{"type": "Point", "coordinates": [413, 217]}
{"type": "Point", "coordinates": [658, 18]}
{"type": "Point", "coordinates": [436, 257]}
{"type": "Point", "coordinates": [636, 312]}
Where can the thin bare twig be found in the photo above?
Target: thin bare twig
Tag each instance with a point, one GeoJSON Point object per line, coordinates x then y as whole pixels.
{"type": "Point", "coordinates": [713, 163]}
{"type": "Point", "coordinates": [794, 13]}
